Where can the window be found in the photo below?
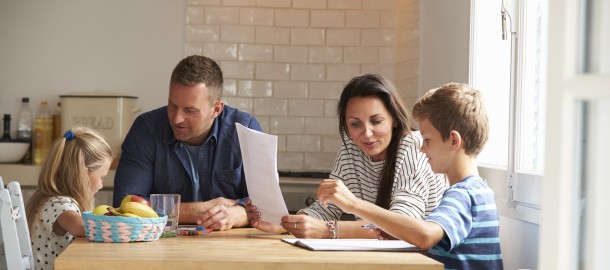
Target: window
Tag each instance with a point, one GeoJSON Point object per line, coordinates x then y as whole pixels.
{"type": "Point", "coordinates": [509, 59]}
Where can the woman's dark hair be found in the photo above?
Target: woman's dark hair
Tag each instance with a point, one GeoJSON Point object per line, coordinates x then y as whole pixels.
{"type": "Point", "coordinates": [376, 85]}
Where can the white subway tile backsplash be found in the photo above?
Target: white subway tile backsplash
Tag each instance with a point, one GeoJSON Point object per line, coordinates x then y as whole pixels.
{"type": "Point", "coordinates": [255, 52]}
{"type": "Point", "coordinates": [362, 19]}
{"type": "Point", "coordinates": [303, 143]}
{"type": "Point", "coordinates": [327, 18]}
{"type": "Point", "coordinates": [331, 143]}
{"type": "Point", "coordinates": [318, 161]}
{"type": "Point", "coordinates": [290, 89]}
{"type": "Point", "coordinates": [321, 125]}
{"type": "Point", "coordinates": [237, 33]}
{"type": "Point", "coordinates": [378, 37]}
{"type": "Point", "coordinates": [361, 55]}
{"type": "Point", "coordinates": [256, 16]}
{"type": "Point", "coordinates": [202, 2]}
{"type": "Point", "coordinates": [290, 54]}
{"type": "Point", "coordinates": [344, 4]}
{"type": "Point", "coordinates": [380, 4]}
{"type": "Point", "coordinates": [330, 107]}
{"type": "Point", "coordinates": [202, 33]}
{"type": "Point", "coordinates": [388, 19]}
{"type": "Point", "coordinates": [325, 55]}
{"type": "Point", "coordinates": [229, 88]}
{"type": "Point", "coordinates": [270, 107]}
{"type": "Point", "coordinates": [272, 35]}
{"type": "Point", "coordinates": [305, 107]}
{"type": "Point", "coordinates": [281, 143]}
{"type": "Point", "coordinates": [243, 3]}
{"type": "Point", "coordinates": [310, 4]}
{"type": "Point", "coordinates": [287, 125]}
{"type": "Point", "coordinates": [250, 88]}
{"type": "Point", "coordinates": [191, 48]}
{"type": "Point", "coordinates": [340, 73]}
{"type": "Point", "coordinates": [243, 104]}
{"type": "Point", "coordinates": [287, 161]}
{"type": "Point", "coordinates": [272, 71]}
{"type": "Point", "coordinates": [343, 37]}
{"type": "Point", "coordinates": [194, 15]}
{"type": "Point", "coordinates": [221, 15]}
{"type": "Point", "coordinates": [307, 36]}
{"type": "Point", "coordinates": [273, 3]}
{"type": "Point", "coordinates": [307, 72]}
{"type": "Point", "coordinates": [287, 61]}
{"type": "Point", "coordinates": [292, 17]}
{"type": "Point", "coordinates": [326, 90]}
{"type": "Point", "coordinates": [220, 51]}
{"type": "Point", "coordinates": [237, 70]}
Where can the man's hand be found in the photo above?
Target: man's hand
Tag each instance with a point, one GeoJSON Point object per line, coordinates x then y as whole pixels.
{"type": "Point", "coordinates": [218, 214]}
{"type": "Point", "coordinates": [254, 216]}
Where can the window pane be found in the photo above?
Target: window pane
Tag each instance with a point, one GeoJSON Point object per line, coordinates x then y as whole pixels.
{"type": "Point", "coordinates": [491, 75]}
{"type": "Point", "coordinates": [531, 109]}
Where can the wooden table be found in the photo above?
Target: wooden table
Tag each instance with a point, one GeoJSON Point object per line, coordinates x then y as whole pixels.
{"type": "Point", "coordinates": [243, 249]}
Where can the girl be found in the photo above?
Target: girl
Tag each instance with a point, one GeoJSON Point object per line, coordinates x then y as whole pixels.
{"type": "Point", "coordinates": [69, 178]}
{"type": "Point", "coordinates": [379, 161]}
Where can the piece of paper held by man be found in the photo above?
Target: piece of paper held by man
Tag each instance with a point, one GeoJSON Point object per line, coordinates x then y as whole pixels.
{"type": "Point", "coordinates": [259, 154]}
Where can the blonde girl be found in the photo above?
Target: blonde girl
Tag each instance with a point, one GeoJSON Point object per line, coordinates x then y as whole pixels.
{"type": "Point", "coordinates": [69, 178]}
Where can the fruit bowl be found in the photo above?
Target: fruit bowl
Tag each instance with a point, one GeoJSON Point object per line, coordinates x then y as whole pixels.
{"type": "Point", "coordinates": [13, 151]}
{"type": "Point", "coordinates": [118, 229]}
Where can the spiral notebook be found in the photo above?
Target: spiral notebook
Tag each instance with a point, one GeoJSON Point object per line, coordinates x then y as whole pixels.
{"type": "Point", "coordinates": [351, 244]}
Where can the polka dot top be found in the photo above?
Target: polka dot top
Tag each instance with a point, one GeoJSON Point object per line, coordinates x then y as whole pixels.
{"type": "Point", "coordinates": [45, 244]}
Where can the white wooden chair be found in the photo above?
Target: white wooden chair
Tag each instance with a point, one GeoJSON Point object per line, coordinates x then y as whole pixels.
{"type": "Point", "coordinates": [15, 244]}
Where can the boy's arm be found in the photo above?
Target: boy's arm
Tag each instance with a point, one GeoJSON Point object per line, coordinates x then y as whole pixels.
{"type": "Point", "coordinates": [422, 234]}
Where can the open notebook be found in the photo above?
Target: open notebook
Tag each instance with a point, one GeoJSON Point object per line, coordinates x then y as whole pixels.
{"type": "Point", "coordinates": [351, 244]}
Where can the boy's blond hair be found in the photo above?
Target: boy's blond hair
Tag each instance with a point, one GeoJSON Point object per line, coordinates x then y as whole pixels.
{"type": "Point", "coordinates": [459, 107]}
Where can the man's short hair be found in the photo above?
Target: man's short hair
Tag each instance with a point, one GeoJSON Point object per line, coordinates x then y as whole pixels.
{"type": "Point", "coordinates": [197, 69]}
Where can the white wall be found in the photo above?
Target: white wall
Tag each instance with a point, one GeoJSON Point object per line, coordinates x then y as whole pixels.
{"type": "Point", "coordinates": [50, 48]}
{"type": "Point", "coordinates": [445, 41]}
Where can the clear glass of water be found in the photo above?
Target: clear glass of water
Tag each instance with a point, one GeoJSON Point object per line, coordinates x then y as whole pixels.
{"type": "Point", "coordinates": [168, 204]}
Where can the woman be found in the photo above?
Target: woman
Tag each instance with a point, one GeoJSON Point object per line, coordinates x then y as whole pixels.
{"type": "Point", "coordinates": [379, 162]}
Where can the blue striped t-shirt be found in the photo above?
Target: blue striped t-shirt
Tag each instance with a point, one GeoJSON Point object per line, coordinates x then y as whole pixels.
{"type": "Point", "coordinates": [467, 213]}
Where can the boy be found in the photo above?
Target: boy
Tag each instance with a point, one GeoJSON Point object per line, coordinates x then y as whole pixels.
{"type": "Point", "coordinates": [462, 232]}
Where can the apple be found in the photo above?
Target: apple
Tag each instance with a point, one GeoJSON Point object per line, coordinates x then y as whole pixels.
{"type": "Point", "coordinates": [134, 198]}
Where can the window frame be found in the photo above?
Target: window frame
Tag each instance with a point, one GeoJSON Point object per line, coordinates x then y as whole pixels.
{"type": "Point", "coordinates": [522, 188]}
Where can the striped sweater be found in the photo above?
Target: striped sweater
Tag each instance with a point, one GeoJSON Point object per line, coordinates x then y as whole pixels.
{"type": "Point", "coordinates": [467, 213]}
{"type": "Point", "coordinates": [416, 190]}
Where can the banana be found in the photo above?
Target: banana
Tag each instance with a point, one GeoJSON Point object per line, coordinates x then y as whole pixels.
{"type": "Point", "coordinates": [129, 215]}
{"type": "Point", "coordinates": [139, 209]}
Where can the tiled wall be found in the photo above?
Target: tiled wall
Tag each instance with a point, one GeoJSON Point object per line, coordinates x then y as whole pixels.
{"type": "Point", "coordinates": [286, 62]}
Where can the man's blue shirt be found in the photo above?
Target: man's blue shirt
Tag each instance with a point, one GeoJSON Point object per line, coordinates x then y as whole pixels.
{"type": "Point", "coordinates": [153, 161]}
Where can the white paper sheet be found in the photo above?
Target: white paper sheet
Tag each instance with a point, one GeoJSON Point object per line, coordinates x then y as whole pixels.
{"type": "Point", "coordinates": [259, 154]}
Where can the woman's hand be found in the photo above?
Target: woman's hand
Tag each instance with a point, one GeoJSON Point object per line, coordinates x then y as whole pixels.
{"type": "Point", "coordinates": [254, 217]}
{"type": "Point", "coordinates": [334, 191]}
{"type": "Point", "coordinates": [304, 226]}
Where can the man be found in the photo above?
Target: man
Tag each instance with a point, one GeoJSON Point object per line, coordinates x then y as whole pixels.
{"type": "Point", "coordinates": [189, 147]}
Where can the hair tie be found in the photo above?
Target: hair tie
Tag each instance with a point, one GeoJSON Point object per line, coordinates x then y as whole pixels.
{"type": "Point", "coordinates": [69, 135]}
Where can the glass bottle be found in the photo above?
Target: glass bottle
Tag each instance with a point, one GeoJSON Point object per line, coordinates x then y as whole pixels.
{"type": "Point", "coordinates": [57, 121]}
{"type": "Point", "coordinates": [24, 125]}
{"type": "Point", "coordinates": [6, 136]}
{"type": "Point", "coordinates": [43, 132]}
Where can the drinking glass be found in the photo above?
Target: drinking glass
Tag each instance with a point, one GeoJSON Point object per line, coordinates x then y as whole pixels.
{"type": "Point", "coordinates": [168, 204]}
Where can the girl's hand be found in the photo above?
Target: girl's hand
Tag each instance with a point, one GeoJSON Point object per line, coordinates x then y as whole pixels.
{"type": "Point", "coordinates": [382, 235]}
{"type": "Point", "coordinates": [334, 191]}
{"type": "Point", "coordinates": [303, 226]}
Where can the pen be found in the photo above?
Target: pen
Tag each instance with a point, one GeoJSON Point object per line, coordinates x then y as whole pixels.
{"type": "Point", "coordinates": [369, 226]}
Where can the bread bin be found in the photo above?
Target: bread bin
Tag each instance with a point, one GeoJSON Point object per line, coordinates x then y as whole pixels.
{"type": "Point", "coordinates": [109, 113]}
